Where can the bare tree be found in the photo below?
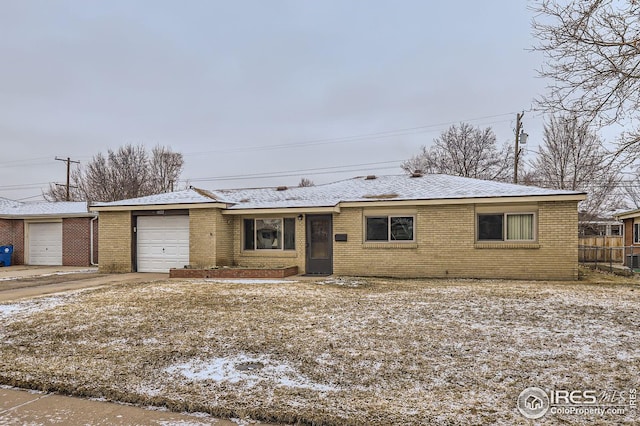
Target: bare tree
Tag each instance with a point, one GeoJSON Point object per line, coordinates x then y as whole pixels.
{"type": "Point", "coordinates": [304, 182]}
{"type": "Point", "coordinates": [129, 172]}
{"type": "Point", "coordinates": [465, 151]}
{"type": "Point", "coordinates": [632, 189]}
{"type": "Point", "coordinates": [592, 57]}
{"type": "Point", "coordinates": [165, 168]}
{"type": "Point", "coordinates": [572, 157]}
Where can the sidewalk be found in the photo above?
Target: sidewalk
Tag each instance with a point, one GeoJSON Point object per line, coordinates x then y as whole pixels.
{"type": "Point", "coordinates": [20, 407]}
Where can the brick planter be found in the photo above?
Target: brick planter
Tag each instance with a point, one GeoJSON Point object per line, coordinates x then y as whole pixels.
{"type": "Point", "coordinates": [234, 273]}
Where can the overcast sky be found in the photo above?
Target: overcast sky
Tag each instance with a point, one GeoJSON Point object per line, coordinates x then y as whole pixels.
{"type": "Point", "coordinates": [252, 88]}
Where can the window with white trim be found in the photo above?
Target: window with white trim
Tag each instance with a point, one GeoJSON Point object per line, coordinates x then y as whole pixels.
{"type": "Point", "coordinates": [389, 228]}
{"type": "Point", "coordinates": [506, 227]}
{"type": "Point", "coordinates": [270, 234]}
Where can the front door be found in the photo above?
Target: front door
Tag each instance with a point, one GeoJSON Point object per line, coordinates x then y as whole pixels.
{"type": "Point", "coordinates": [319, 245]}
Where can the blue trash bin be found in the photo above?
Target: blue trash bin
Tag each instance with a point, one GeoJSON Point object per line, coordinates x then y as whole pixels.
{"type": "Point", "coordinates": [5, 255]}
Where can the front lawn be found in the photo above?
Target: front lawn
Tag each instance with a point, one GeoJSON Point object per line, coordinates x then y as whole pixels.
{"type": "Point", "coordinates": [333, 351]}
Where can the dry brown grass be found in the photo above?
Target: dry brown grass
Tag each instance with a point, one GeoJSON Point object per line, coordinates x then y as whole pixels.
{"type": "Point", "coordinates": [352, 351]}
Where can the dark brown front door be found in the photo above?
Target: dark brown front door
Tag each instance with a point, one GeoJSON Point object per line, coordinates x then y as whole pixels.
{"type": "Point", "coordinates": [319, 245]}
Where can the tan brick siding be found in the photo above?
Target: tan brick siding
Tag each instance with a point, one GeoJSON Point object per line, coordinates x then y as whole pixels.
{"type": "Point", "coordinates": [115, 242]}
{"type": "Point", "coordinates": [445, 247]}
{"type": "Point", "coordinates": [202, 237]}
{"type": "Point", "coordinates": [210, 238]}
{"type": "Point", "coordinates": [224, 239]}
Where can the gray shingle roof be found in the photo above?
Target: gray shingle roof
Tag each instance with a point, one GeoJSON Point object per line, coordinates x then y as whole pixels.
{"type": "Point", "coordinates": [360, 189]}
{"type": "Point", "coordinates": [187, 196]}
{"type": "Point", "coordinates": [9, 208]}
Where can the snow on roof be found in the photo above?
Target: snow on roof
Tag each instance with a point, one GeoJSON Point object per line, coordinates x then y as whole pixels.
{"type": "Point", "coordinates": [6, 203]}
{"type": "Point", "coordinates": [43, 208]}
{"type": "Point", "coordinates": [359, 189]}
{"type": "Point", "coordinates": [187, 196]}
{"type": "Point", "coordinates": [381, 188]}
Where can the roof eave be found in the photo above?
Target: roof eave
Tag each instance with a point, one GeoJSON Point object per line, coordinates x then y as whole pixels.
{"type": "Point", "coordinates": [628, 215]}
{"type": "Point", "coordinates": [172, 206]}
{"type": "Point", "coordinates": [284, 210]}
{"type": "Point", "coordinates": [468, 200]}
{"type": "Point", "coordinates": [47, 216]}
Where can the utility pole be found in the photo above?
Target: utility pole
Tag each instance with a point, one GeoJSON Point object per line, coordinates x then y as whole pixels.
{"type": "Point", "coordinates": [517, 153]}
{"type": "Point", "coordinates": [68, 161]}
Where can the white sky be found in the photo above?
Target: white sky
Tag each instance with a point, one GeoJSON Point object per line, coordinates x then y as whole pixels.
{"type": "Point", "coordinates": [256, 87]}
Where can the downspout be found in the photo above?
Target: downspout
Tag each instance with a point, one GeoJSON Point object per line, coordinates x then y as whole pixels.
{"type": "Point", "coordinates": [91, 238]}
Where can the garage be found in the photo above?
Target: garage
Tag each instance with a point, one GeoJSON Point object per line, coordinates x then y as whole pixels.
{"type": "Point", "coordinates": [45, 243]}
{"type": "Point", "coordinates": [162, 243]}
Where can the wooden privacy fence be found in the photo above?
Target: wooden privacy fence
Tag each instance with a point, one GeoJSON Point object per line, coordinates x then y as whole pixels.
{"type": "Point", "coordinates": [608, 249]}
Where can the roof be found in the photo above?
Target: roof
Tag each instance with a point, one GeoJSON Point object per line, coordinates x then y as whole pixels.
{"type": "Point", "coordinates": [187, 196]}
{"type": "Point", "coordinates": [628, 214]}
{"type": "Point", "coordinates": [17, 209]}
{"type": "Point", "coordinates": [359, 189]}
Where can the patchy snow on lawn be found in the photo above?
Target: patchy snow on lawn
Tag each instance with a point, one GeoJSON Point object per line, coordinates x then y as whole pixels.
{"type": "Point", "coordinates": [11, 310]}
{"type": "Point", "coordinates": [245, 369]}
{"type": "Point", "coordinates": [341, 281]}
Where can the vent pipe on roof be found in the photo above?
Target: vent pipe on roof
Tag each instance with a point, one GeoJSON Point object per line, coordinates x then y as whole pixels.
{"type": "Point", "coordinates": [417, 173]}
{"type": "Point", "coordinates": [370, 177]}
{"type": "Point", "coordinates": [281, 188]}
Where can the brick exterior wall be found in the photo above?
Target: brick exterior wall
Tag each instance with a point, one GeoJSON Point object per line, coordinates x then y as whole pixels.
{"type": "Point", "coordinates": [445, 244]}
{"type": "Point", "coordinates": [76, 241]}
{"type": "Point", "coordinates": [115, 242]}
{"type": "Point", "coordinates": [445, 247]}
{"type": "Point", "coordinates": [202, 237]}
{"type": "Point", "coordinates": [12, 233]}
{"type": "Point", "coordinates": [233, 273]}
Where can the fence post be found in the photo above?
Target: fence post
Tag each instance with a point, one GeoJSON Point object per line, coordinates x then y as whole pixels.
{"type": "Point", "coordinates": [610, 259]}
{"type": "Point", "coordinates": [596, 264]}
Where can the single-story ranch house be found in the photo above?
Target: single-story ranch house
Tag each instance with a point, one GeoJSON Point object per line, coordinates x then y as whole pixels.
{"type": "Point", "coordinates": [44, 233]}
{"type": "Point", "coordinates": [401, 226]}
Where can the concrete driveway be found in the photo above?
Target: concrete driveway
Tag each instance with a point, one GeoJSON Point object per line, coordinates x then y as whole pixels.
{"type": "Point", "coordinates": [20, 281]}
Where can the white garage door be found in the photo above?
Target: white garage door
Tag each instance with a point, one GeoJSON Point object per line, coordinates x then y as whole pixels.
{"type": "Point", "coordinates": [162, 243]}
{"type": "Point", "coordinates": [45, 243]}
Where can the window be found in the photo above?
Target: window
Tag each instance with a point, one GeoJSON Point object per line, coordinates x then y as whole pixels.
{"type": "Point", "coordinates": [269, 234]}
{"type": "Point", "coordinates": [506, 227]}
{"type": "Point", "coordinates": [636, 233]}
{"type": "Point", "coordinates": [389, 228]}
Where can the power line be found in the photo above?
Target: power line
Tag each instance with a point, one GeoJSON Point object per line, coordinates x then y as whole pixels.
{"type": "Point", "coordinates": [312, 142]}
{"type": "Point", "coordinates": [68, 185]}
{"type": "Point", "coordinates": [266, 175]}
{"type": "Point", "coordinates": [350, 139]}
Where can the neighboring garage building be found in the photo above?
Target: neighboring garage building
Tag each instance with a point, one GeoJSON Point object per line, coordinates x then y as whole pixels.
{"type": "Point", "coordinates": [631, 220]}
{"type": "Point", "coordinates": [44, 233]}
{"type": "Point", "coordinates": [400, 226]}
